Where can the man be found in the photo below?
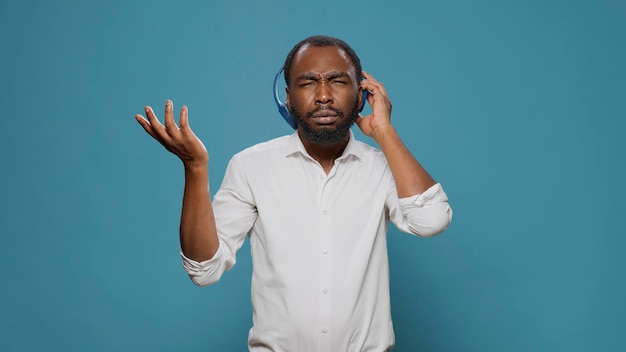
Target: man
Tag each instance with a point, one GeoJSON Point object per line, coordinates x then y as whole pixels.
{"type": "Point", "coordinates": [316, 205]}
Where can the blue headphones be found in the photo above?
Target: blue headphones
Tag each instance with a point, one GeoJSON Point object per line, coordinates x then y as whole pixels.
{"type": "Point", "coordinates": [282, 107]}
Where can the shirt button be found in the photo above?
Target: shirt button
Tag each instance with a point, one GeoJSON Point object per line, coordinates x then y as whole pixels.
{"type": "Point", "coordinates": [325, 212]}
{"type": "Point", "coordinates": [325, 291]}
{"type": "Point", "coordinates": [324, 330]}
{"type": "Point", "coordinates": [321, 177]}
{"type": "Point", "coordinates": [325, 251]}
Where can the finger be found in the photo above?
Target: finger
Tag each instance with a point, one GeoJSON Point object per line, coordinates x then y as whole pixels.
{"type": "Point", "coordinates": [367, 75]}
{"type": "Point", "coordinates": [376, 95]}
{"type": "Point", "coordinates": [150, 130]}
{"type": "Point", "coordinates": [157, 128]}
{"type": "Point", "coordinates": [370, 81]}
{"type": "Point", "coordinates": [168, 116]}
{"type": "Point", "coordinates": [183, 120]}
{"type": "Point", "coordinates": [152, 119]}
{"type": "Point", "coordinates": [364, 124]}
{"type": "Point", "coordinates": [374, 87]}
{"type": "Point", "coordinates": [170, 124]}
{"type": "Point", "coordinates": [185, 129]}
{"type": "Point", "coordinates": [364, 117]}
{"type": "Point", "coordinates": [146, 125]}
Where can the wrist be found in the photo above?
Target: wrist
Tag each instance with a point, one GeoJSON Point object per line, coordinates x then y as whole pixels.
{"type": "Point", "coordinates": [196, 167]}
{"type": "Point", "coordinates": [381, 131]}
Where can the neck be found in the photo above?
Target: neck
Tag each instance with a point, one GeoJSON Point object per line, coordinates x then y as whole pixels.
{"type": "Point", "coordinates": [324, 154]}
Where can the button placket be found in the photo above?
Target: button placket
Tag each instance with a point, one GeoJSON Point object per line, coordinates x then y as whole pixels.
{"type": "Point", "coordinates": [325, 238]}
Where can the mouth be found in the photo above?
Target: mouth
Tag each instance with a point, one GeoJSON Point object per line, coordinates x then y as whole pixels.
{"type": "Point", "coordinates": [324, 117]}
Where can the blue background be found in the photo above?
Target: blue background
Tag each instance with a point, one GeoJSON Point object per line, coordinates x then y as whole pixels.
{"type": "Point", "coordinates": [517, 107]}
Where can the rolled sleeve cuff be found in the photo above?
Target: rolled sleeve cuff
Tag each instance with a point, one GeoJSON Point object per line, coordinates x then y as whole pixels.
{"type": "Point", "coordinates": [434, 194]}
{"type": "Point", "coordinates": [426, 214]}
{"type": "Point", "coordinates": [206, 272]}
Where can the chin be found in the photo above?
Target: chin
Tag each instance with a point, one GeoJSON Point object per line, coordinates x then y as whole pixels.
{"type": "Point", "coordinates": [326, 134]}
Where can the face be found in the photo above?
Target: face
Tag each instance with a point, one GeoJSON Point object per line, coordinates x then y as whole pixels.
{"type": "Point", "coordinates": [323, 94]}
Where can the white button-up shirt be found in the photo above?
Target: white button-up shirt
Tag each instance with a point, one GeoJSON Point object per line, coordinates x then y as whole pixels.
{"type": "Point", "coordinates": [320, 278]}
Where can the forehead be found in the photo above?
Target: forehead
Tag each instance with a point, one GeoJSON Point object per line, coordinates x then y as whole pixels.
{"type": "Point", "coordinates": [321, 59]}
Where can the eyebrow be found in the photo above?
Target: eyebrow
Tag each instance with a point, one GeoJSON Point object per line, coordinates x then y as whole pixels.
{"type": "Point", "coordinates": [317, 76]}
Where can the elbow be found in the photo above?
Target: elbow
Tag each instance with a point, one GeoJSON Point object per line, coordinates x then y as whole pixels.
{"type": "Point", "coordinates": [202, 281]}
{"type": "Point", "coordinates": [435, 222]}
{"type": "Point", "coordinates": [206, 276]}
{"type": "Point", "coordinates": [210, 271]}
{"type": "Point", "coordinates": [205, 273]}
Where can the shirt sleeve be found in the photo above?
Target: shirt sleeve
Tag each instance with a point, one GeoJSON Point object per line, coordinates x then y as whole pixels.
{"type": "Point", "coordinates": [235, 213]}
{"type": "Point", "coordinates": [425, 215]}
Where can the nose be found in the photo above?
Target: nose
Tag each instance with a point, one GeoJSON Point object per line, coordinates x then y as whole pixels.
{"type": "Point", "coordinates": [323, 95]}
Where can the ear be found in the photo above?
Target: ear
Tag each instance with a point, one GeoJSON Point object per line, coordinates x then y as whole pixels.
{"type": "Point", "coordinates": [288, 98]}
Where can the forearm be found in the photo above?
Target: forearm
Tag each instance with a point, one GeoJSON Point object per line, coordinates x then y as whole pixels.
{"type": "Point", "coordinates": [198, 234]}
{"type": "Point", "coordinates": [409, 176]}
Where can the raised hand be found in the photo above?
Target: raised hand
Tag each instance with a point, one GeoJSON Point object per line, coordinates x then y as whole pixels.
{"type": "Point", "coordinates": [180, 140]}
{"type": "Point", "coordinates": [380, 103]}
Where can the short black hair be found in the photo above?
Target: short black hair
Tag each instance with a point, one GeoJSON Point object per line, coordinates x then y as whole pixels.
{"type": "Point", "coordinates": [321, 41]}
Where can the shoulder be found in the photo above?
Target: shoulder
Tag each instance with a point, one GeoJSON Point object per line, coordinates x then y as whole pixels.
{"type": "Point", "coordinates": [263, 150]}
{"type": "Point", "coordinates": [367, 153]}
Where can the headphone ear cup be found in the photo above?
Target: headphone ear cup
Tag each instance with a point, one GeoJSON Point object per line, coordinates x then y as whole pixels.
{"type": "Point", "coordinates": [363, 100]}
{"type": "Point", "coordinates": [284, 112]}
{"type": "Point", "coordinates": [282, 107]}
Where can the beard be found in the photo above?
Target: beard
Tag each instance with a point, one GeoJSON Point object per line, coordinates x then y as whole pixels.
{"type": "Point", "coordinates": [326, 134]}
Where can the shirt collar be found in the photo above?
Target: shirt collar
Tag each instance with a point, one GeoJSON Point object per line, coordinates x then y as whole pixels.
{"type": "Point", "coordinates": [295, 146]}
